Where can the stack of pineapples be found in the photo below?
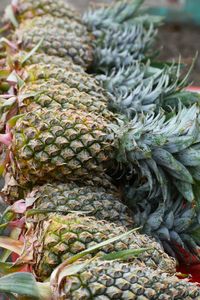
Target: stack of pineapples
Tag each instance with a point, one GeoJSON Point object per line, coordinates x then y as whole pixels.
{"type": "Point", "coordinates": [97, 139]}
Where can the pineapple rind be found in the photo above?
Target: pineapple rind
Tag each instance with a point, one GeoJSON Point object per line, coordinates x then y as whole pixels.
{"type": "Point", "coordinates": [62, 146]}
{"type": "Point", "coordinates": [91, 200]}
{"type": "Point", "coordinates": [42, 58]}
{"type": "Point", "coordinates": [118, 280]}
{"type": "Point", "coordinates": [55, 41]}
{"type": "Point", "coordinates": [26, 9]}
{"type": "Point", "coordinates": [52, 95]}
{"type": "Point", "coordinates": [82, 81]}
{"type": "Point", "coordinates": [60, 237]}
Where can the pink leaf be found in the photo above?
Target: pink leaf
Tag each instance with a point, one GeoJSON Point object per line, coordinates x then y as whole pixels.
{"type": "Point", "coordinates": [14, 4]}
{"type": "Point", "coordinates": [19, 207]}
{"type": "Point", "coordinates": [6, 139]}
{"type": "Point", "coordinates": [18, 223]}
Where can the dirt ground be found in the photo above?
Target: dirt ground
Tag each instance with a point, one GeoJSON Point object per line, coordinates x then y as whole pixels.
{"type": "Point", "coordinates": [175, 41]}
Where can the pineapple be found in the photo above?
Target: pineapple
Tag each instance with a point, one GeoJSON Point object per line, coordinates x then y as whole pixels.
{"type": "Point", "coordinates": [55, 96]}
{"type": "Point", "coordinates": [74, 146]}
{"type": "Point", "coordinates": [138, 88]}
{"type": "Point", "coordinates": [105, 280]}
{"type": "Point", "coordinates": [55, 87]}
{"type": "Point", "coordinates": [97, 47]}
{"type": "Point", "coordinates": [71, 26]}
{"type": "Point", "coordinates": [19, 60]}
{"type": "Point", "coordinates": [15, 192]}
{"type": "Point", "coordinates": [59, 39]}
{"type": "Point", "coordinates": [48, 145]}
{"type": "Point", "coordinates": [90, 200]}
{"type": "Point", "coordinates": [27, 9]}
{"type": "Point", "coordinates": [58, 96]}
{"type": "Point", "coordinates": [48, 243]}
{"type": "Point", "coordinates": [101, 279]}
{"type": "Point", "coordinates": [81, 81]}
{"type": "Point", "coordinates": [67, 77]}
{"type": "Point", "coordinates": [115, 47]}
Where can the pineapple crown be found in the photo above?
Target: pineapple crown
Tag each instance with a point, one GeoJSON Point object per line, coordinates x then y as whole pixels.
{"type": "Point", "coordinates": [122, 34]}
{"type": "Point", "coordinates": [141, 87]}
{"type": "Point", "coordinates": [118, 13]}
{"type": "Point", "coordinates": [155, 148]}
{"type": "Point", "coordinates": [121, 45]}
{"type": "Point", "coordinates": [174, 223]}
